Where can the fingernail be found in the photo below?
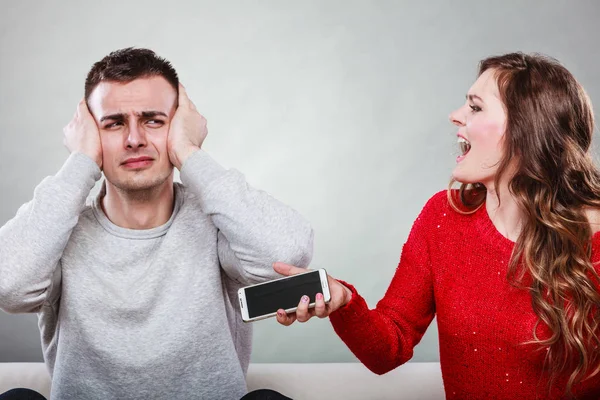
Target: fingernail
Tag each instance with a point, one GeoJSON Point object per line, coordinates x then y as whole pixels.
{"type": "Point", "coordinates": [319, 296]}
{"type": "Point", "coordinates": [305, 299]}
{"type": "Point", "coordinates": [281, 313]}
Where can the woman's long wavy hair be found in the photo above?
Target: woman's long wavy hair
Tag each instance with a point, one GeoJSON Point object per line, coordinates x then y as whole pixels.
{"type": "Point", "coordinates": [549, 129]}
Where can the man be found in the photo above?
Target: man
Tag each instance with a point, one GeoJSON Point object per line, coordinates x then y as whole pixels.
{"type": "Point", "coordinates": [137, 291]}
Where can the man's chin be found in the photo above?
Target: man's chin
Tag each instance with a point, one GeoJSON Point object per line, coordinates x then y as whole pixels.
{"type": "Point", "coordinates": [140, 183]}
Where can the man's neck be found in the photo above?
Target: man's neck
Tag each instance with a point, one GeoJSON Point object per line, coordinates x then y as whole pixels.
{"type": "Point", "coordinates": [143, 209]}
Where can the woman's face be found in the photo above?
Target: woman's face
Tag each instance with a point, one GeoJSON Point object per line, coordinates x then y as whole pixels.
{"type": "Point", "coordinates": [481, 123]}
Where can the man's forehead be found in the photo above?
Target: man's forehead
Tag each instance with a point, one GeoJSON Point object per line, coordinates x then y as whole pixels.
{"type": "Point", "coordinates": [140, 95]}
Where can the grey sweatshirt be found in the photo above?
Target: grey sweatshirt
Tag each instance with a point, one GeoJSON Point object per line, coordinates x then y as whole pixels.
{"type": "Point", "coordinates": [146, 314]}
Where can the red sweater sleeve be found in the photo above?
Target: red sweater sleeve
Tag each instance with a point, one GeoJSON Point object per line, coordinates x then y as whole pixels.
{"type": "Point", "coordinates": [384, 338]}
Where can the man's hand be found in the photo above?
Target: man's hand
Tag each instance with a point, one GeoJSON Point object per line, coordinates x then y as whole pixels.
{"type": "Point", "coordinates": [186, 132]}
{"type": "Point", "coordinates": [82, 134]}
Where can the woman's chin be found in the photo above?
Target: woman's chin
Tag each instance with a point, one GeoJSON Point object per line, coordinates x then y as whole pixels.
{"type": "Point", "coordinates": [462, 177]}
{"type": "Point", "coordinates": [459, 176]}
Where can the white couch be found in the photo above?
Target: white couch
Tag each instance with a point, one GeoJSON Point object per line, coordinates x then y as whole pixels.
{"type": "Point", "coordinates": [413, 381]}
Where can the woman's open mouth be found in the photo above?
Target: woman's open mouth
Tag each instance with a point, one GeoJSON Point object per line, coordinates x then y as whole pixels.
{"type": "Point", "coordinates": [465, 147]}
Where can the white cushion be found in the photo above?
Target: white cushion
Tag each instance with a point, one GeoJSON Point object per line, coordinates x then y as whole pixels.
{"type": "Point", "coordinates": [25, 375]}
{"type": "Point", "coordinates": [349, 381]}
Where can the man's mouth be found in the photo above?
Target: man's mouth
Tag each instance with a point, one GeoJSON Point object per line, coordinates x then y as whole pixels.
{"type": "Point", "coordinates": [137, 162]}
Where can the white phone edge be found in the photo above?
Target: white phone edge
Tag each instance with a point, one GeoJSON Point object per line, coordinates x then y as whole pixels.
{"type": "Point", "coordinates": [244, 307]}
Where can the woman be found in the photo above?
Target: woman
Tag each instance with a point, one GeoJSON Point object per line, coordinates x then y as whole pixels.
{"type": "Point", "coordinates": [507, 261]}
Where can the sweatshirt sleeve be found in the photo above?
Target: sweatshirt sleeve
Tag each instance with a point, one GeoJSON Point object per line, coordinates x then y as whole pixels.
{"type": "Point", "coordinates": [32, 243]}
{"type": "Point", "coordinates": [384, 338]}
{"type": "Point", "coordinates": [255, 230]}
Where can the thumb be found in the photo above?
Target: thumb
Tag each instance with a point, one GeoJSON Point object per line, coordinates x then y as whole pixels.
{"type": "Point", "coordinates": [288, 270]}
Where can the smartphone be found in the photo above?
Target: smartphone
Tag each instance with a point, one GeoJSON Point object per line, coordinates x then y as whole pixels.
{"type": "Point", "coordinates": [263, 300]}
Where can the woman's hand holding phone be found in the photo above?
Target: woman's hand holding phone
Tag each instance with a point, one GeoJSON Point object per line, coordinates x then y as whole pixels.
{"type": "Point", "coordinates": [340, 296]}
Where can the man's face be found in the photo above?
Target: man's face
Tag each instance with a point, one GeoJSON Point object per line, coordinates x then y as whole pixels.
{"type": "Point", "coordinates": [133, 119]}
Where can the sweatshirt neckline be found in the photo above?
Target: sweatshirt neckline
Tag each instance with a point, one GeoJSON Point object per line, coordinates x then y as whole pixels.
{"type": "Point", "coordinates": [139, 234]}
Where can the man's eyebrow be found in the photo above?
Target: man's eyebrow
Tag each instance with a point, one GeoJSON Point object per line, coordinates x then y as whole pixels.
{"type": "Point", "coordinates": [119, 117]}
{"type": "Point", "coordinates": [151, 114]}
{"type": "Point", "coordinates": [114, 117]}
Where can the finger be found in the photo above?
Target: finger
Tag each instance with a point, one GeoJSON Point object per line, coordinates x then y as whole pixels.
{"type": "Point", "coordinates": [302, 314]}
{"type": "Point", "coordinates": [83, 110]}
{"type": "Point", "coordinates": [203, 123]}
{"type": "Point", "coordinates": [285, 319]}
{"type": "Point", "coordinates": [288, 270]}
{"type": "Point", "coordinates": [81, 105]}
{"type": "Point", "coordinates": [78, 108]}
{"type": "Point", "coordinates": [320, 309]}
{"type": "Point", "coordinates": [183, 97]}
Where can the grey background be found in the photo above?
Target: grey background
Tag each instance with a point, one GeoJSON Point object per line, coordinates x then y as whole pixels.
{"type": "Point", "coordinates": [338, 108]}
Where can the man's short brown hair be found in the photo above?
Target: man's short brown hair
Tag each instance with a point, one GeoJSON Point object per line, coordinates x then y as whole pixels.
{"type": "Point", "coordinates": [128, 64]}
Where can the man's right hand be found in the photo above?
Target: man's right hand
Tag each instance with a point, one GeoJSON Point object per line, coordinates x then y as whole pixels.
{"type": "Point", "coordinates": [82, 134]}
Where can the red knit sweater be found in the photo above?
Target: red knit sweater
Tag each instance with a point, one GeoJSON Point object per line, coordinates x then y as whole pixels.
{"type": "Point", "coordinates": [454, 267]}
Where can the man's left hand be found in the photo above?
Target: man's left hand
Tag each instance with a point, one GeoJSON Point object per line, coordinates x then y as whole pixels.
{"type": "Point", "coordinates": [187, 130]}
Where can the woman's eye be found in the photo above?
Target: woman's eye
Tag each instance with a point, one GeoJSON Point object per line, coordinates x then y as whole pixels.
{"type": "Point", "coordinates": [475, 108]}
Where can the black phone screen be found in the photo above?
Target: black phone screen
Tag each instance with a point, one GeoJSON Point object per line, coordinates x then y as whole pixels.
{"type": "Point", "coordinates": [285, 293]}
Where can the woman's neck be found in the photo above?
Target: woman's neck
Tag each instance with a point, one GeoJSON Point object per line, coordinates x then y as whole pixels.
{"type": "Point", "coordinates": [504, 211]}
